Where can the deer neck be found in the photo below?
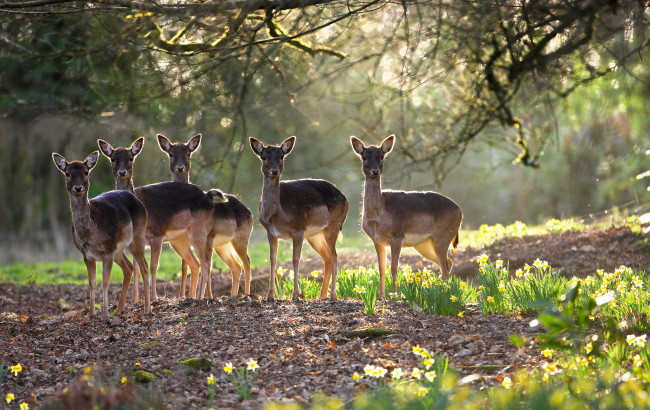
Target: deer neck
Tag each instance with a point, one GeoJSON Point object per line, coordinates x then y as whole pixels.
{"type": "Point", "coordinates": [81, 218]}
{"type": "Point", "coordinates": [373, 203]}
{"type": "Point", "coordinates": [124, 184]}
{"type": "Point", "coordinates": [185, 178]}
{"type": "Point", "coordinates": [270, 203]}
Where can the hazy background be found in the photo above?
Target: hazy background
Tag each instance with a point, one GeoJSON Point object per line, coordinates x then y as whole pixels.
{"type": "Point", "coordinates": [427, 72]}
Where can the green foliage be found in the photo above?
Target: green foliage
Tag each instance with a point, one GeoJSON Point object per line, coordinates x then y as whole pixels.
{"type": "Point", "coordinates": [432, 293]}
{"type": "Point", "coordinates": [517, 229]}
{"type": "Point", "coordinates": [565, 225]}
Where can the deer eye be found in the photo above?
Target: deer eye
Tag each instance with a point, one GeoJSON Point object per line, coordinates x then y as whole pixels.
{"type": "Point", "coordinates": [112, 159]}
{"type": "Point", "coordinates": [67, 174]}
{"type": "Point", "coordinates": [86, 173]}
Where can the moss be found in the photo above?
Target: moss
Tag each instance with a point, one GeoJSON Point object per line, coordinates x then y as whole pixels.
{"type": "Point", "coordinates": [150, 344]}
{"type": "Point", "coordinates": [142, 376]}
{"type": "Point", "coordinates": [369, 333]}
{"type": "Point", "coordinates": [197, 363]}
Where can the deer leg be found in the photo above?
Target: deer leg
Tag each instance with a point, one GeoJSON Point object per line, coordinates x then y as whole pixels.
{"type": "Point", "coordinates": [331, 244]}
{"type": "Point", "coordinates": [127, 271]}
{"type": "Point", "coordinates": [242, 251]}
{"type": "Point", "coordinates": [395, 249]}
{"type": "Point", "coordinates": [139, 262]}
{"type": "Point", "coordinates": [381, 260]}
{"type": "Point", "coordinates": [227, 255]}
{"type": "Point", "coordinates": [107, 265]}
{"type": "Point", "coordinates": [445, 263]}
{"type": "Point", "coordinates": [205, 256]}
{"type": "Point", "coordinates": [184, 266]}
{"type": "Point", "coordinates": [156, 247]}
{"type": "Point", "coordinates": [297, 249]}
{"type": "Point", "coordinates": [318, 243]}
{"type": "Point", "coordinates": [91, 267]}
{"type": "Point", "coordinates": [273, 256]}
{"type": "Point", "coordinates": [135, 298]}
{"type": "Point", "coordinates": [183, 250]}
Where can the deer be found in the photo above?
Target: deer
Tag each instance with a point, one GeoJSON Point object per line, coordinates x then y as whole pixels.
{"type": "Point", "coordinates": [230, 224]}
{"type": "Point", "coordinates": [177, 214]}
{"type": "Point", "coordinates": [426, 221]}
{"type": "Point", "coordinates": [234, 218]}
{"type": "Point", "coordinates": [310, 209]}
{"type": "Point", "coordinates": [103, 227]}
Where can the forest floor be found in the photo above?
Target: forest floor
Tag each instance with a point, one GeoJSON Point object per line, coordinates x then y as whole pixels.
{"type": "Point", "coordinates": [301, 348]}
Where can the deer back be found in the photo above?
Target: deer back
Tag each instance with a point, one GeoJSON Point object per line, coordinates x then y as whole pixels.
{"type": "Point", "coordinates": [174, 204]}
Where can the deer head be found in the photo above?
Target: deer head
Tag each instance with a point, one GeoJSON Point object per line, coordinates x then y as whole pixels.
{"type": "Point", "coordinates": [272, 156]}
{"type": "Point", "coordinates": [373, 156]}
{"type": "Point", "coordinates": [76, 172]}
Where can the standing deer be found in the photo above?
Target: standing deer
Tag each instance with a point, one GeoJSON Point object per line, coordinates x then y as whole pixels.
{"type": "Point", "coordinates": [103, 228]}
{"type": "Point", "coordinates": [179, 213]}
{"type": "Point", "coordinates": [180, 155]}
{"type": "Point", "coordinates": [427, 221]}
{"type": "Point", "coordinates": [231, 222]}
{"type": "Point", "coordinates": [309, 209]}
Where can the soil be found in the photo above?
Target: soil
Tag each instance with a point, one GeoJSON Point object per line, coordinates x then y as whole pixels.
{"type": "Point", "coordinates": [301, 347]}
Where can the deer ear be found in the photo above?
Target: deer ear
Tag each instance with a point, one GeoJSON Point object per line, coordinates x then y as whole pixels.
{"type": "Point", "coordinates": [164, 143]}
{"type": "Point", "coordinates": [257, 146]}
{"type": "Point", "coordinates": [357, 145]}
{"type": "Point", "coordinates": [59, 161]}
{"type": "Point", "coordinates": [387, 144]}
{"type": "Point", "coordinates": [287, 145]}
{"type": "Point", "coordinates": [137, 145]}
{"type": "Point", "coordinates": [194, 142]}
{"type": "Point", "coordinates": [91, 160]}
{"type": "Point", "coordinates": [105, 147]}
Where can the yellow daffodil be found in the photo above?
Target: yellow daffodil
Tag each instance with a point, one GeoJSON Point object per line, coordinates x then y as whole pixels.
{"type": "Point", "coordinates": [24, 406]}
{"type": "Point", "coordinates": [210, 379]}
{"type": "Point", "coordinates": [427, 363]}
{"type": "Point", "coordinates": [547, 353]}
{"type": "Point", "coordinates": [502, 287]}
{"type": "Point", "coordinates": [498, 263]}
{"type": "Point", "coordinates": [480, 288]}
{"type": "Point", "coordinates": [454, 298]}
{"type": "Point", "coordinates": [252, 365]}
{"type": "Point", "coordinates": [422, 391]}
{"type": "Point", "coordinates": [314, 273]}
{"type": "Point", "coordinates": [589, 347]}
{"type": "Point", "coordinates": [490, 299]}
{"type": "Point", "coordinates": [460, 314]}
{"type": "Point", "coordinates": [16, 369]}
{"type": "Point", "coordinates": [482, 260]}
{"type": "Point", "coordinates": [430, 375]}
{"type": "Point", "coordinates": [356, 377]}
{"type": "Point", "coordinates": [416, 373]}
{"type": "Point", "coordinates": [519, 273]}
{"type": "Point", "coordinates": [638, 361]}
{"type": "Point", "coordinates": [417, 350]}
{"type": "Point", "coordinates": [507, 383]}
{"type": "Point", "coordinates": [124, 380]}
{"type": "Point", "coordinates": [228, 368]}
{"type": "Point", "coordinates": [463, 285]}
{"type": "Point", "coordinates": [10, 397]}
{"type": "Point", "coordinates": [368, 369]}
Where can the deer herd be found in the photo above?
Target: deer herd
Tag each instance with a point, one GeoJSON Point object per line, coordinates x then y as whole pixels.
{"type": "Point", "coordinates": [195, 222]}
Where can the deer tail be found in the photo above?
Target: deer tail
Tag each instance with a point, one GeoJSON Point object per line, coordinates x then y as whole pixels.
{"type": "Point", "coordinates": [455, 241]}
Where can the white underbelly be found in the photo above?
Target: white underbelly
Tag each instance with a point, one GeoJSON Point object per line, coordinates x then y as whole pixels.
{"type": "Point", "coordinates": [222, 239]}
{"type": "Point", "coordinates": [411, 239]}
{"type": "Point", "coordinates": [173, 234]}
{"type": "Point", "coordinates": [314, 229]}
